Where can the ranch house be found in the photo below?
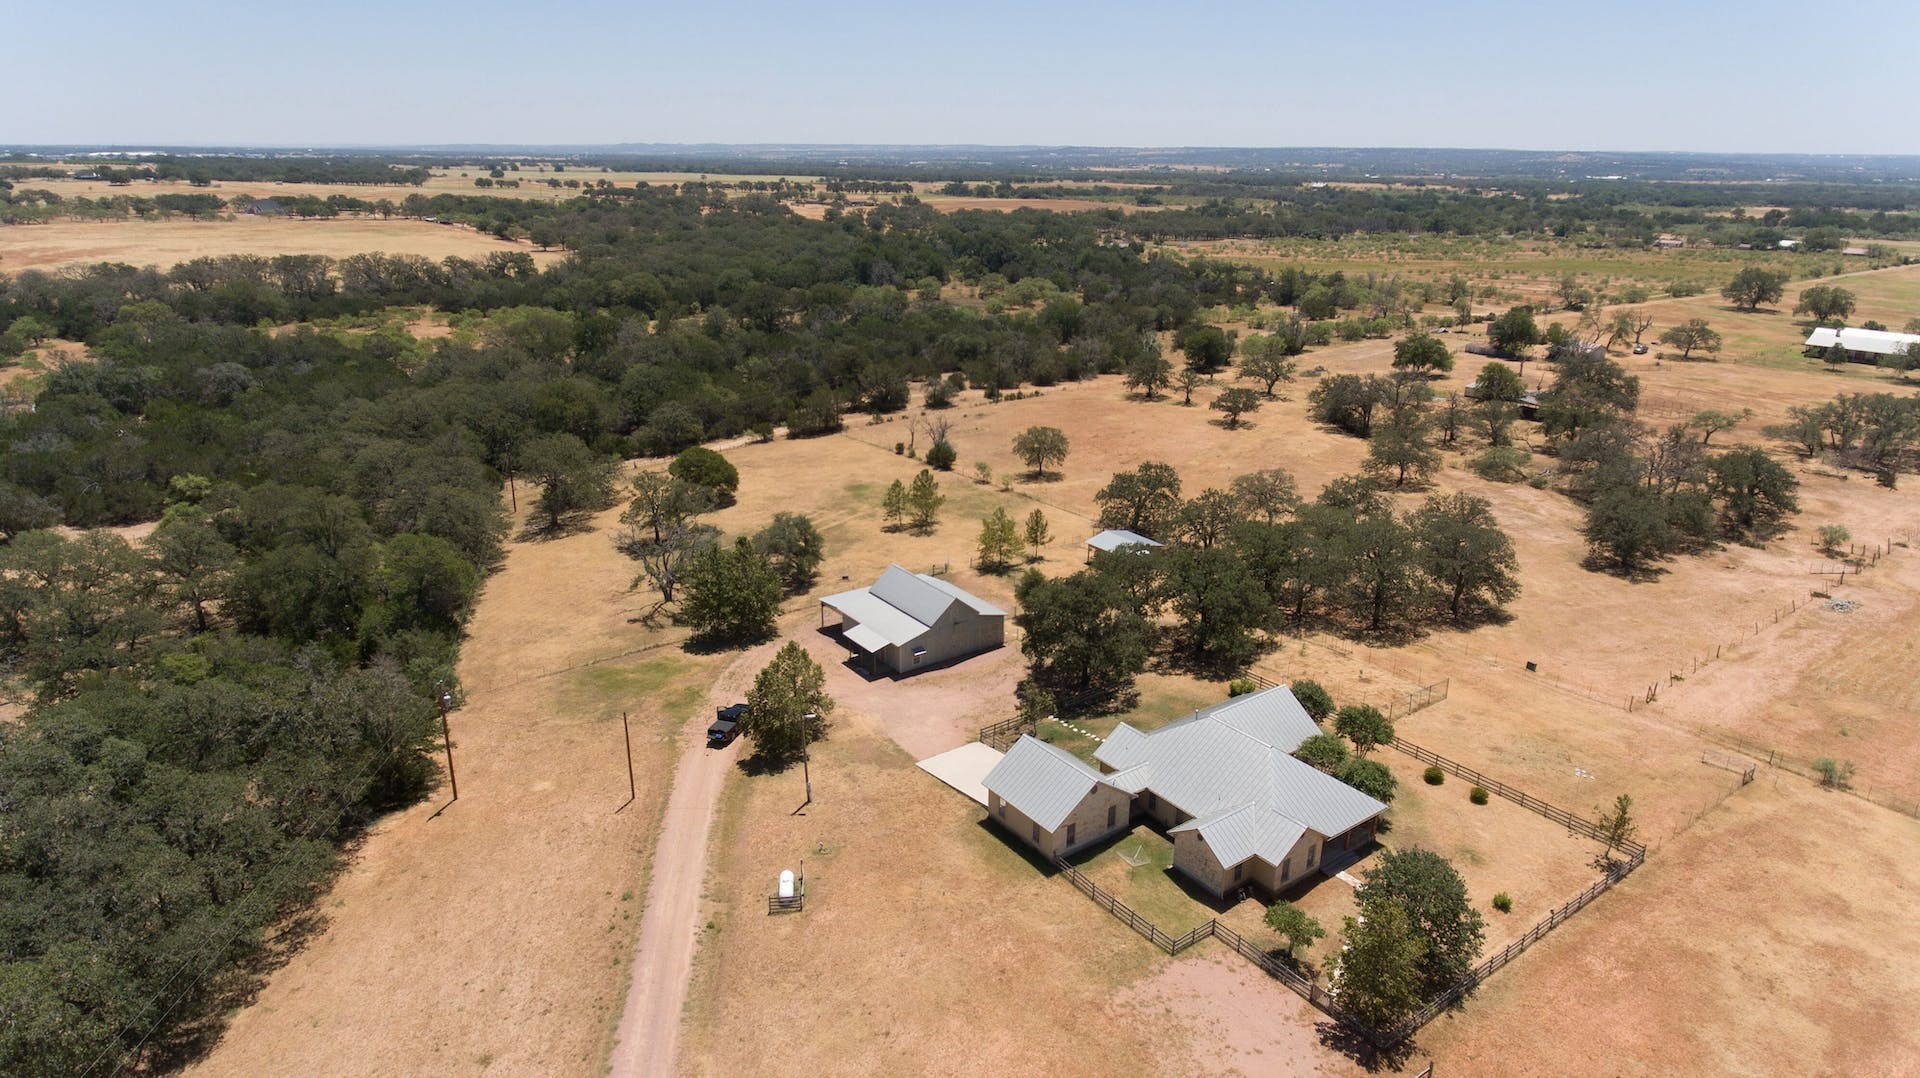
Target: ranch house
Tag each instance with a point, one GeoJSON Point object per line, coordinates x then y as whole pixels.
{"type": "Point", "coordinates": [906, 622]}
{"type": "Point", "coordinates": [1241, 811]}
{"type": "Point", "coordinates": [1862, 345]}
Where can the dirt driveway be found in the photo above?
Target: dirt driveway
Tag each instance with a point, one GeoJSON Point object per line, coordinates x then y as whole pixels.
{"type": "Point", "coordinates": [929, 712]}
{"type": "Point", "coordinates": [663, 955]}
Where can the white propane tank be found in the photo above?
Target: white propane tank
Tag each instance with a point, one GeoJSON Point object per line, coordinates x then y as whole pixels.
{"type": "Point", "coordinates": [786, 883]}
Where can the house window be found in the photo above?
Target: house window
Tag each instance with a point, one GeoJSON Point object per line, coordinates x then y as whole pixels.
{"type": "Point", "coordinates": [1070, 829]}
{"type": "Point", "coordinates": [1153, 802]}
{"type": "Point", "coordinates": [1239, 871]}
{"type": "Point", "coordinates": [1036, 834]}
{"type": "Point", "coordinates": [1286, 869]}
{"type": "Point", "coordinates": [1110, 809]}
{"type": "Point", "coordinates": [1002, 806]}
{"type": "Point", "coordinates": [1313, 854]}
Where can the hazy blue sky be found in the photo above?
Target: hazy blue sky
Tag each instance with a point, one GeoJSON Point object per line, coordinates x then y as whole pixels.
{"type": "Point", "coordinates": [1676, 75]}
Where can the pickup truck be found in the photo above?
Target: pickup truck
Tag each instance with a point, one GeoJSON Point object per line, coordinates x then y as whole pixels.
{"type": "Point", "coordinates": [726, 726]}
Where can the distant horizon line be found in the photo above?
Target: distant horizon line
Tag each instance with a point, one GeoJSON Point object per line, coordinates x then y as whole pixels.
{"type": "Point", "coordinates": [161, 146]}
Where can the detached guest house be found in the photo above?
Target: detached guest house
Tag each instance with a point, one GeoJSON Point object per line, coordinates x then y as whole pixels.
{"type": "Point", "coordinates": [1221, 782]}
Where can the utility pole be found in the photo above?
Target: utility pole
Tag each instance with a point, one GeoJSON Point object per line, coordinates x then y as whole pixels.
{"type": "Point", "coordinates": [446, 702]}
{"type": "Point", "coordinates": [625, 730]}
{"type": "Point", "coordinates": [806, 755]}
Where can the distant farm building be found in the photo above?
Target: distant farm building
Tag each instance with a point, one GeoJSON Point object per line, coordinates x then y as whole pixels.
{"type": "Point", "coordinates": [911, 621]}
{"type": "Point", "coordinates": [266, 207]}
{"type": "Point", "coordinates": [1862, 345]}
{"type": "Point", "coordinates": [1221, 782]}
{"type": "Point", "coordinates": [1854, 252]}
{"type": "Point", "coordinates": [1117, 539]}
{"type": "Point", "coordinates": [1529, 403]}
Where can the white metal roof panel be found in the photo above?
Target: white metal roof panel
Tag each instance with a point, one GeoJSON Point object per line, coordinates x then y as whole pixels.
{"type": "Point", "coordinates": [1114, 538]}
{"type": "Point", "coordinates": [913, 594]}
{"type": "Point", "coordinates": [1043, 782]}
{"type": "Point", "coordinates": [1232, 756]}
{"type": "Point", "coordinates": [881, 618]}
{"type": "Point", "coordinates": [1878, 342]}
{"type": "Point", "coordinates": [974, 602]}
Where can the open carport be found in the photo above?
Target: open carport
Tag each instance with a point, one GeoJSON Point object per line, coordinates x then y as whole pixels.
{"type": "Point", "coordinates": [965, 768]}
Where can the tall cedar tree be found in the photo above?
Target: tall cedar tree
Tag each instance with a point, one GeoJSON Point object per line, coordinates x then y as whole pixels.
{"type": "Point", "coordinates": [924, 500]}
{"type": "Point", "coordinates": [788, 706]}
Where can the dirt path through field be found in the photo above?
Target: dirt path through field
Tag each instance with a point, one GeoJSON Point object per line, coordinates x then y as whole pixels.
{"type": "Point", "coordinates": [649, 1030]}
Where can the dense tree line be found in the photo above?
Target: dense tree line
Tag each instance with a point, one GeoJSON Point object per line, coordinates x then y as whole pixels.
{"type": "Point", "coordinates": [1251, 560]}
{"type": "Point", "coordinates": [266, 168]}
{"type": "Point", "coordinates": [215, 707]}
{"type": "Point", "coordinates": [1874, 431]}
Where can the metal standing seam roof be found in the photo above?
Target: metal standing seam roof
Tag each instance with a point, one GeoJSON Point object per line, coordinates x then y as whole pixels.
{"type": "Point", "coordinates": [910, 593]}
{"type": "Point", "coordinates": [1115, 538]}
{"type": "Point", "coordinates": [1043, 782]}
{"type": "Point", "coordinates": [1272, 716]}
{"type": "Point", "coordinates": [973, 602]}
{"type": "Point", "coordinates": [1228, 758]}
{"type": "Point", "coordinates": [1879, 342]}
{"type": "Point", "coordinates": [883, 622]}
{"type": "Point", "coordinates": [1247, 831]}
{"type": "Point", "coordinates": [901, 607]}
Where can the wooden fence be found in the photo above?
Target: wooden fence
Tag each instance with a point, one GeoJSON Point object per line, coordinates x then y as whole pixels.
{"type": "Point", "coordinates": [1560, 915]}
{"type": "Point", "coordinates": [1309, 990]}
{"type": "Point", "coordinates": [1406, 703]}
{"type": "Point", "coordinates": [1400, 706]}
{"type": "Point", "coordinates": [1173, 945]}
{"type": "Point", "coordinates": [1900, 801]}
{"type": "Point", "coordinates": [776, 904]}
{"type": "Point", "coordinates": [1001, 735]}
{"type": "Point", "coordinates": [1105, 900]}
{"type": "Point", "coordinates": [1322, 998]}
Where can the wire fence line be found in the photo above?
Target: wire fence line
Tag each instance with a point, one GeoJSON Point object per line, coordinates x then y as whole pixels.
{"type": "Point", "coordinates": [1398, 706]}
{"type": "Point", "coordinates": [1900, 799]}
{"type": "Point", "coordinates": [1859, 556]}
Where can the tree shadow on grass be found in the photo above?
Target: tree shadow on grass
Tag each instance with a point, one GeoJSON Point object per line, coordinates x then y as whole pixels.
{"type": "Point", "coordinates": [1352, 1043]}
{"type": "Point", "coordinates": [230, 988]}
{"type": "Point", "coordinates": [1645, 573]}
{"type": "Point", "coordinates": [1479, 616]}
{"type": "Point", "coordinates": [709, 644]}
{"type": "Point", "coordinates": [758, 764]}
{"type": "Point", "coordinates": [569, 526]}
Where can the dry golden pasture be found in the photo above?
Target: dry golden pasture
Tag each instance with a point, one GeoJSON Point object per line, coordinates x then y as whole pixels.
{"type": "Point", "coordinates": [495, 938]}
{"type": "Point", "coordinates": [167, 242]}
{"type": "Point", "coordinates": [895, 848]}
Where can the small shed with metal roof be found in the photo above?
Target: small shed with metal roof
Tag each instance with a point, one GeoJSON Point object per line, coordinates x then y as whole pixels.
{"type": "Point", "coordinates": [1118, 539]}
